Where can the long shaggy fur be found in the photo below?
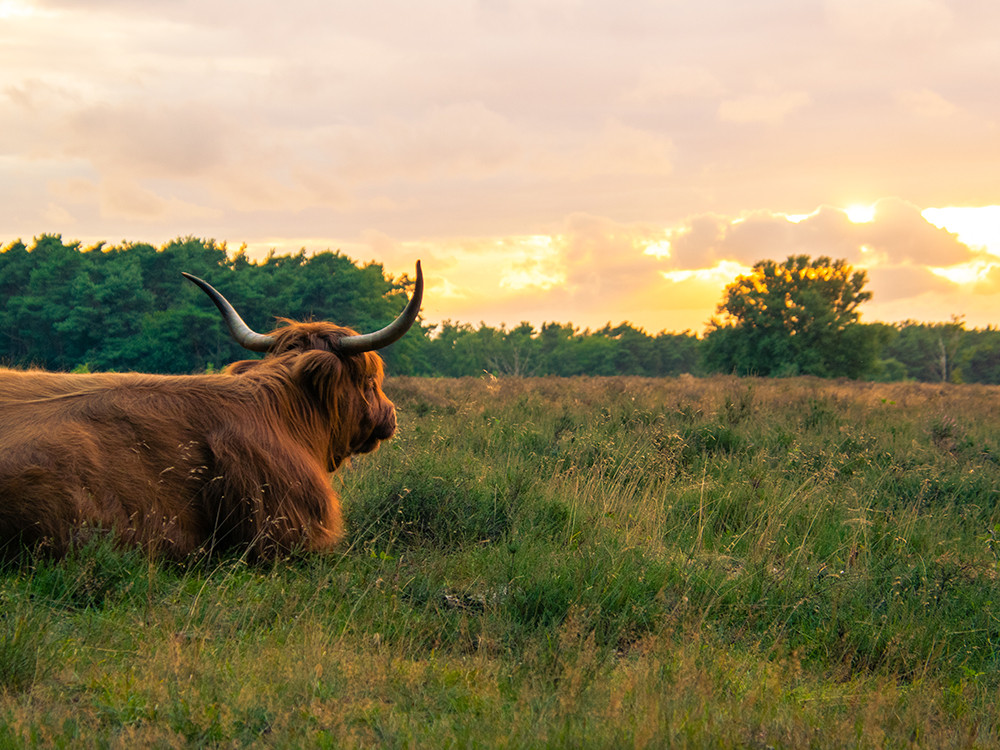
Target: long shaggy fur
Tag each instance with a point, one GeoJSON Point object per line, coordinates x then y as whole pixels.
{"type": "Point", "coordinates": [177, 464]}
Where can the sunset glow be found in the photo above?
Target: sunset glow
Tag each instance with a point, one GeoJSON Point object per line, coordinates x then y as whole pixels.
{"type": "Point", "coordinates": [977, 227]}
{"type": "Point", "coordinates": [860, 214]}
{"type": "Point", "coordinates": [536, 180]}
{"type": "Point", "coordinates": [723, 273]}
{"type": "Point", "coordinates": [660, 249]}
{"type": "Point", "coordinates": [967, 273]}
{"type": "Point", "coordinates": [13, 9]}
{"type": "Point", "coordinates": [533, 264]}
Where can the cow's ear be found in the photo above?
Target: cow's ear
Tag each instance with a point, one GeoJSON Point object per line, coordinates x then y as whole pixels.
{"type": "Point", "coordinates": [317, 372]}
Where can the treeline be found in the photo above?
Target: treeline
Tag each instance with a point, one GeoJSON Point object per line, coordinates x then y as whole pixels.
{"type": "Point", "coordinates": [927, 352]}
{"type": "Point", "coordinates": [127, 307]}
{"type": "Point", "coordinates": [557, 349]}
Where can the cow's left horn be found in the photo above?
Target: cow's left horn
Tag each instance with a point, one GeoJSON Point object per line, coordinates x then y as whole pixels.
{"type": "Point", "coordinates": [244, 335]}
{"type": "Point", "coordinates": [368, 342]}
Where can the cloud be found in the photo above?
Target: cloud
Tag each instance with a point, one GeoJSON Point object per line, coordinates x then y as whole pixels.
{"type": "Point", "coordinates": [903, 282]}
{"type": "Point", "coordinates": [708, 239]}
{"type": "Point", "coordinates": [615, 149]}
{"type": "Point", "coordinates": [118, 198]}
{"type": "Point", "coordinates": [605, 259]}
{"type": "Point", "coordinates": [659, 85]}
{"type": "Point", "coordinates": [890, 20]}
{"type": "Point", "coordinates": [897, 232]}
{"type": "Point", "coordinates": [976, 226]}
{"type": "Point", "coordinates": [903, 234]}
{"type": "Point", "coordinates": [925, 103]}
{"type": "Point", "coordinates": [186, 140]}
{"type": "Point", "coordinates": [766, 108]}
{"type": "Point", "coordinates": [448, 140]}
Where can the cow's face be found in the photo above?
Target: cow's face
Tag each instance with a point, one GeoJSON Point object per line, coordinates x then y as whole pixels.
{"type": "Point", "coordinates": [361, 415]}
{"type": "Point", "coordinates": [378, 415]}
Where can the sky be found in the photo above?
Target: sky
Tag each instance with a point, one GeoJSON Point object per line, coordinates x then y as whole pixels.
{"type": "Point", "coordinates": [578, 161]}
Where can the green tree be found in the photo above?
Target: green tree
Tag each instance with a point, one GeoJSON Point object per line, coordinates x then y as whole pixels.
{"type": "Point", "coordinates": [796, 317]}
{"type": "Point", "coordinates": [43, 298]}
{"type": "Point", "coordinates": [930, 352]}
{"type": "Point", "coordinates": [981, 359]}
{"type": "Point", "coordinates": [512, 352]}
{"type": "Point", "coordinates": [678, 353]}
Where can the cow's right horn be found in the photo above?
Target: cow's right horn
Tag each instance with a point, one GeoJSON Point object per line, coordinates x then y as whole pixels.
{"type": "Point", "coordinates": [241, 332]}
{"type": "Point", "coordinates": [367, 342]}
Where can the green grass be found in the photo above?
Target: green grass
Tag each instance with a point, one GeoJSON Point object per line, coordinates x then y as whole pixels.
{"type": "Point", "coordinates": [567, 563]}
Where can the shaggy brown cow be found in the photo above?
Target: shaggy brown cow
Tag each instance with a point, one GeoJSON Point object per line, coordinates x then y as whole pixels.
{"type": "Point", "coordinates": [181, 463]}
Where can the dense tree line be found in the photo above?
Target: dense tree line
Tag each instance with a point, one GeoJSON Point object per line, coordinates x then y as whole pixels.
{"type": "Point", "coordinates": [127, 307]}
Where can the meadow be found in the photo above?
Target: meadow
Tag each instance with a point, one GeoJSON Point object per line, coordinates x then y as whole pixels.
{"type": "Point", "coordinates": [582, 562]}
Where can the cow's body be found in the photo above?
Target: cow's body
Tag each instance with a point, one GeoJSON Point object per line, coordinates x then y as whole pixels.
{"type": "Point", "coordinates": [183, 463]}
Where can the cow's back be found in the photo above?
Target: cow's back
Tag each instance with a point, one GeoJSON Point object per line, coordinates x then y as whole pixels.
{"type": "Point", "coordinates": [127, 451]}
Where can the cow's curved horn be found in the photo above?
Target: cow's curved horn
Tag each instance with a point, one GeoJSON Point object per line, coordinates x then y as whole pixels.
{"type": "Point", "coordinates": [244, 335]}
{"type": "Point", "coordinates": [368, 342]}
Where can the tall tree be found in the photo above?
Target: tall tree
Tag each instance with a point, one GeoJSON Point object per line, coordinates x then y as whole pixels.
{"type": "Point", "coordinates": [795, 317]}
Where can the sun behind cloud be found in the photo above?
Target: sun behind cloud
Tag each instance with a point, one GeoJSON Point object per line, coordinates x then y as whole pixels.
{"type": "Point", "coordinates": [860, 213]}
{"type": "Point", "coordinates": [976, 226]}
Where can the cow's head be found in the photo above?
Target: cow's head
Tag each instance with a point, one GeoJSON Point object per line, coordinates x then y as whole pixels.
{"type": "Point", "coordinates": [333, 372]}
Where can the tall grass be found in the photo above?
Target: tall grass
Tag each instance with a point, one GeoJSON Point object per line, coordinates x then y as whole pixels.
{"type": "Point", "coordinates": [567, 563]}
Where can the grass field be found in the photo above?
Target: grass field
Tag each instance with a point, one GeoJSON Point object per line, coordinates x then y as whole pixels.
{"type": "Point", "coordinates": [567, 563]}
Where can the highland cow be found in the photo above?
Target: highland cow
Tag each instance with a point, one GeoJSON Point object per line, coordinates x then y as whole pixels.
{"type": "Point", "coordinates": [183, 463]}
